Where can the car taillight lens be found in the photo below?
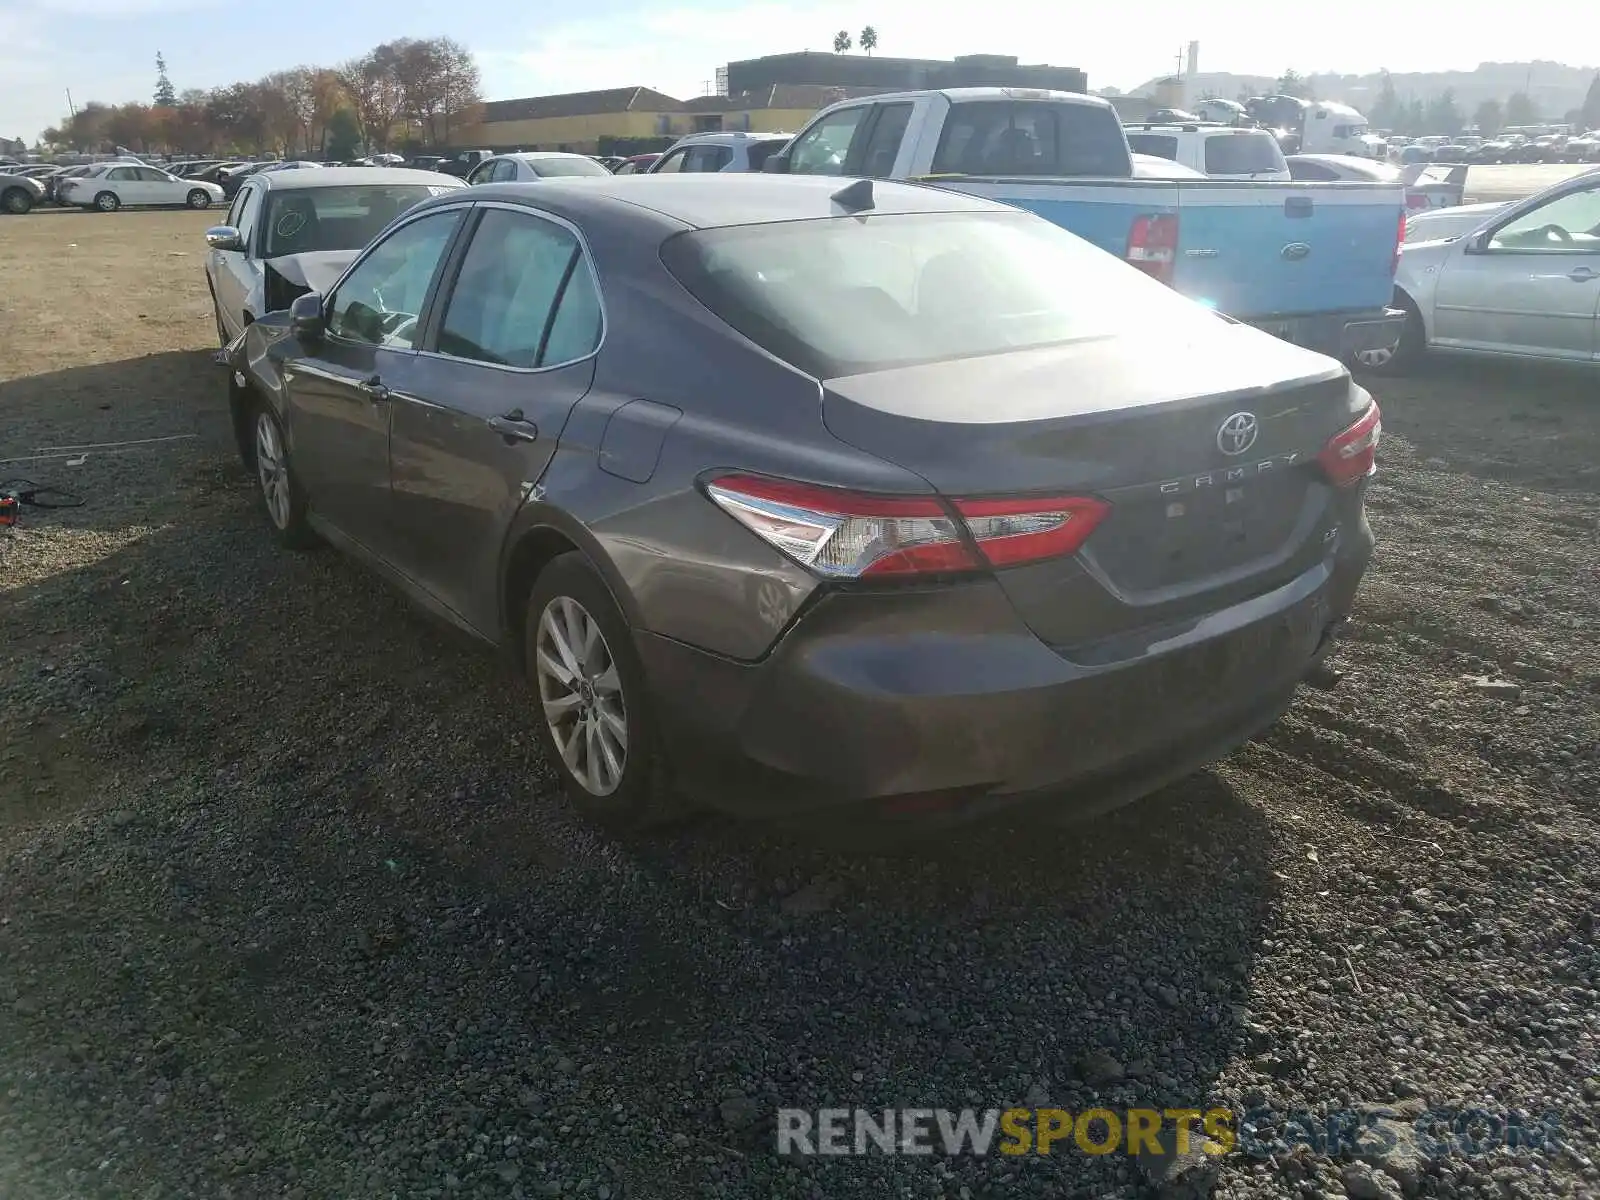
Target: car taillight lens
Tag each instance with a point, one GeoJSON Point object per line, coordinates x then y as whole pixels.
{"type": "Point", "coordinates": [1153, 245]}
{"type": "Point", "coordinates": [1399, 241]}
{"type": "Point", "coordinates": [850, 535]}
{"type": "Point", "coordinates": [1351, 456]}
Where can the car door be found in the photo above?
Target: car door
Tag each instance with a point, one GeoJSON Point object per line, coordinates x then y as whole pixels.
{"type": "Point", "coordinates": [510, 350]}
{"type": "Point", "coordinates": [124, 181]}
{"type": "Point", "coordinates": [164, 188]}
{"type": "Point", "coordinates": [341, 392]}
{"type": "Point", "coordinates": [234, 272]}
{"type": "Point", "coordinates": [1530, 285]}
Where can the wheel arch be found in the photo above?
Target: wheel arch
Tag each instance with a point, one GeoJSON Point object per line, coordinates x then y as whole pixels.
{"type": "Point", "coordinates": [541, 534]}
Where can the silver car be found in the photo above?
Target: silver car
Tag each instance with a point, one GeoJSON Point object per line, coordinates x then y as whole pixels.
{"type": "Point", "coordinates": [1518, 280]}
{"type": "Point", "coordinates": [291, 232]}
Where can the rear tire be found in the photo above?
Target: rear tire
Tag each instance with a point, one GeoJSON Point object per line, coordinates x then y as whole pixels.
{"type": "Point", "coordinates": [199, 199]}
{"type": "Point", "coordinates": [593, 722]}
{"type": "Point", "coordinates": [1404, 355]}
{"type": "Point", "coordinates": [16, 201]}
{"type": "Point", "coordinates": [108, 202]}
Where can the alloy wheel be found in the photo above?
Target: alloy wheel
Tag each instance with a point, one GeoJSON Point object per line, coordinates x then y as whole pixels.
{"type": "Point", "coordinates": [272, 469]}
{"type": "Point", "coordinates": [580, 690]}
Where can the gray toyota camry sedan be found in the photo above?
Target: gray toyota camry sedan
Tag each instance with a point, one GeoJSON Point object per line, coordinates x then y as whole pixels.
{"type": "Point", "coordinates": [797, 494]}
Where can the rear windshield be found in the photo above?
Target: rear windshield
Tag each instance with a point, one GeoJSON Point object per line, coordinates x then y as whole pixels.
{"type": "Point", "coordinates": [1031, 138]}
{"type": "Point", "coordinates": [1243, 154]}
{"type": "Point", "coordinates": [308, 220]}
{"type": "Point", "coordinates": [850, 295]}
{"type": "Point", "coordinates": [549, 168]}
{"type": "Point", "coordinates": [1161, 145]}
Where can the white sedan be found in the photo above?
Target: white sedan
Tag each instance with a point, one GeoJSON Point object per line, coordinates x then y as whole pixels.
{"type": "Point", "coordinates": [1517, 280]}
{"type": "Point", "coordinates": [116, 185]}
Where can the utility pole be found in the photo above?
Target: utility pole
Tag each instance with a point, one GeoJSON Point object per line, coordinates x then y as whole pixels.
{"type": "Point", "coordinates": [71, 108]}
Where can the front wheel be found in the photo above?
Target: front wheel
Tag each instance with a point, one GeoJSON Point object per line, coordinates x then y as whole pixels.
{"type": "Point", "coordinates": [593, 721]}
{"type": "Point", "coordinates": [1400, 357]}
{"type": "Point", "coordinates": [108, 202]}
{"type": "Point", "coordinates": [17, 201]}
{"type": "Point", "coordinates": [199, 199]}
{"type": "Point", "coordinates": [281, 498]}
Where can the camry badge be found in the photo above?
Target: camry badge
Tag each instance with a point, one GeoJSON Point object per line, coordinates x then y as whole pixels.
{"type": "Point", "coordinates": [1295, 251]}
{"type": "Point", "coordinates": [1238, 433]}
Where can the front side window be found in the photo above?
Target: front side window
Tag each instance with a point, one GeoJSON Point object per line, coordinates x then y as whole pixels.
{"type": "Point", "coordinates": [759, 152]}
{"type": "Point", "coordinates": [151, 175]}
{"type": "Point", "coordinates": [122, 174]}
{"type": "Point", "coordinates": [1568, 224]}
{"type": "Point", "coordinates": [249, 214]}
{"type": "Point", "coordinates": [822, 149]}
{"type": "Point", "coordinates": [509, 304]}
{"type": "Point", "coordinates": [380, 300]}
{"type": "Point", "coordinates": [671, 164]}
{"type": "Point", "coordinates": [1031, 138]}
{"type": "Point", "coordinates": [850, 295]}
{"type": "Point", "coordinates": [481, 173]}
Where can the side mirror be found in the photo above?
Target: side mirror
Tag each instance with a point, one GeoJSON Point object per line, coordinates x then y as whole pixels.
{"type": "Point", "coordinates": [305, 318]}
{"type": "Point", "coordinates": [776, 164]}
{"type": "Point", "coordinates": [224, 237]}
{"type": "Point", "coordinates": [1478, 242]}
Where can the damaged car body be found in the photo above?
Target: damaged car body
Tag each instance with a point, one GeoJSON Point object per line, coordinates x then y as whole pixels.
{"type": "Point", "coordinates": [821, 502]}
{"type": "Point", "coordinates": [288, 233]}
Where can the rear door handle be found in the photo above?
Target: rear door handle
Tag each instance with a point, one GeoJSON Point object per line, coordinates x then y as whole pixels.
{"type": "Point", "coordinates": [374, 390]}
{"type": "Point", "coordinates": [514, 427]}
{"type": "Point", "coordinates": [1582, 274]}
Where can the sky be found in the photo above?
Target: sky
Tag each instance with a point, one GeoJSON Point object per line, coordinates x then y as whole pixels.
{"type": "Point", "coordinates": [105, 49]}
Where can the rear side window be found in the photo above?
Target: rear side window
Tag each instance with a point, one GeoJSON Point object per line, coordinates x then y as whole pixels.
{"type": "Point", "coordinates": [1243, 154]}
{"type": "Point", "coordinates": [1311, 172]}
{"type": "Point", "coordinates": [1031, 138]}
{"type": "Point", "coordinates": [883, 144]}
{"type": "Point", "coordinates": [1161, 145]}
{"type": "Point", "coordinates": [707, 159]}
{"type": "Point", "coordinates": [851, 295]}
{"type": "Point", "coordinates": [508, 304]}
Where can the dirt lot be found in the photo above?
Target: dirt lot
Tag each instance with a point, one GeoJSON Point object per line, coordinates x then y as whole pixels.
{"type": "Point", "coordinates": [288, 905]}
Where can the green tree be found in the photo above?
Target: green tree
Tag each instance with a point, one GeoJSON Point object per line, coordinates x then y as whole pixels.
{"type": "Point", "coordinates": [1387, 110]}
{"type": "Point", "coordinates": [165, 96]}
{"type": "Point", "coordinates": [1292, 83]}
{"type": "Point", "coordinates": [841, 42]}
{"type": "Point", "coordinates": [1414, 122]}
{"type": "Point", "coordinates": [1490, 118]}
{"type": "Point", "coordinates": [344, 135]}
{"type": "Point", "coordinates": [1521, 110]}
{"type": "Point", "coordinates": [1590, 113]}
{"type": "Point", "coordinates": [869, 40]}
{"type": "Point", "coordinates": [1442, 115]}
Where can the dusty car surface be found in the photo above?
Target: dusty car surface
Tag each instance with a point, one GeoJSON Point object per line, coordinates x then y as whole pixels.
{"type": "Point", "coordinates": [821, 495]}
{"type": "Point", "coordinates": [291, 232]}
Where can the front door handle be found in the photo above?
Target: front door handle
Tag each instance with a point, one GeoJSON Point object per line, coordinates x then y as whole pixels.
{"type": "Point", "coordinates": [1582, 274]}
{"type": "Point", "coordinates": [514, 427]}
{"type": "Point", "coordinates": [374, 390]}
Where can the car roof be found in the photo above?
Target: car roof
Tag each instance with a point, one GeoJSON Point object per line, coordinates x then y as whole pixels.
{"type": "Point", "coordinates": [716, 200]}
{"type": "Point", "coordinates": [729, 138]}
{"type": "Point", "coordinates": [315, 177]}
{"type": "Point", "coordinates": [537, 155]}
{"type": "Point", "coordinates": [970, 94]}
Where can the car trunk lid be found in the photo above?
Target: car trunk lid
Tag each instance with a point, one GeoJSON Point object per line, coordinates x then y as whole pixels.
{"type": "Point", "coordinates": [1205, 450]}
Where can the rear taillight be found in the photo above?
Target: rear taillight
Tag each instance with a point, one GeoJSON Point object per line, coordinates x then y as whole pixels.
{"type": "Point", "coordinates": [1351, 456]}
{"type": "Point", "coordinates": [849, 535]}
{"type": "Point", "coordinates": [1153, 244]}
{"type": "Point", "coordinates": [1399, 241]}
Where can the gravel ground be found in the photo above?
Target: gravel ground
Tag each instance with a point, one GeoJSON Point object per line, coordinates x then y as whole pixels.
{"type": "Point", "coordinates": [289, 905]}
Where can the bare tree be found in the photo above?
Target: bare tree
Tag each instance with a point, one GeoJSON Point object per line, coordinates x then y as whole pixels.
{"type": "Point", "coordinates": [375, 94]}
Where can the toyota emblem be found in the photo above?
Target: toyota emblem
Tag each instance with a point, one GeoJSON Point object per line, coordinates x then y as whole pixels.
{"type": "Point", "coordinates": [1238, 433]}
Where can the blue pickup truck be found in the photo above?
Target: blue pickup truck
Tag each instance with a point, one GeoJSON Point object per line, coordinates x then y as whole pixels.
{"type": "Point", "coordinates": [1313, 263]}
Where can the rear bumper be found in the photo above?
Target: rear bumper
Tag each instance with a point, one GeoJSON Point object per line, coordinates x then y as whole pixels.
{"type": "Point", "coordinates": [944, 704]}
{"type": "Point", "coordinates": [1340, 335]}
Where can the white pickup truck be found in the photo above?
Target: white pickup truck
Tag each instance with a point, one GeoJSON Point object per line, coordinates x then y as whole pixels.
{"type": "Point", "coordinates": [1313, 263]}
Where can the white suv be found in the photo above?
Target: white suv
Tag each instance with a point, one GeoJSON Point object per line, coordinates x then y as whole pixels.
{"type": "Point", "coordinates": [1220, 151]}
{"type": "Point", "coordinates": [720, 152]}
